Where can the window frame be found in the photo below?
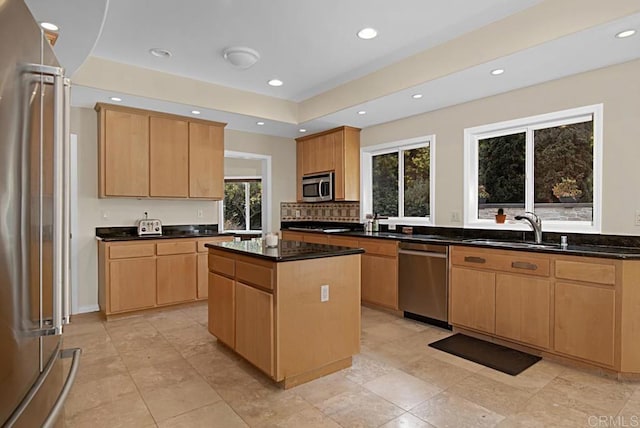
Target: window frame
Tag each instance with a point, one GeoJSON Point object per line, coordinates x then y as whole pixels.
{"type": "Point", "coordinates": [246, 180]}
{"type": "Point", "coordinates": [529, 125]}
{"type": "Point", "coordinates": [366, 193]}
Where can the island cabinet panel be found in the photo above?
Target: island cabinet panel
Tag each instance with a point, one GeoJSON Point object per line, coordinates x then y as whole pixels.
{"type": "Point", "coordinates": [206, 161]}
{"type": "Point", "coordinates": [176, 280]}
{"type": "Point", "coordinates": [169, 158]}
{"type": "Point", "coordinates": [523, 309]}
{"type": "Point", "coordinates": [254, 338]}
{"type": "Point", "coordinates": [222, 318]}
{"type": "Point", "coordinates": [124, 153]}
{"type": "Point", "coordinates": [472, 297]}
{"type": "Point", "coordinates": [255, 272]}
{"type": "Point", "coordinates": [585, 322]}
{"type": "Point", "coordinates": [132, 284]}
{"type": "Point", "coordinates": [203, 270]}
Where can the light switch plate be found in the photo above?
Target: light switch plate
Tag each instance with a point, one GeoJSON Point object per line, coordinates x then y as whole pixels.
{"type": "Point", "coordinates": [637, 217]}
{"type": "Point", "coordinates": [324, 293]}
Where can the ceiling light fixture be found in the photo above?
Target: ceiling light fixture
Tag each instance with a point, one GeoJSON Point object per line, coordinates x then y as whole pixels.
{"type": "Point", "coordinates": [497, 71]}
{"type": "Point", "coordinates": [240, 56]}
{"type": "Point", "coordinates": [416, 96]}
{"type": "Point", "coordinates": [49, 26]}
{"type": "Point", "coordinates": [160, 53]}
{"type": "Point", "coordinates": [196, 112]}
{"type": "Point", "coordinates": [361, 112]}
{"type": "Point", "coordinates": [275, 82]}
{"type": "Point", "coordinates": [260, 123]}
{"type": "Point", "coordinates": [302, 130]}
{"type": "Point", "coordinates": [625, 33]}
{"type": "Point", "coordinates": [367, 33]}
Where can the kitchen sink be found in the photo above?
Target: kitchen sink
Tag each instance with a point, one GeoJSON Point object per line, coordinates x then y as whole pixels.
{"type": "Point", "coordinates": [511, 244]}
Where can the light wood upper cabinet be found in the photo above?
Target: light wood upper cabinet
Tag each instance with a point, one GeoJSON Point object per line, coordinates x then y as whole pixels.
{"type": "Point", "coordinates": [168, 158]}
{"type": "Point", "coordinates": [336, 150]}
{"type": "Point", "coordinates": [150, 154]}
{"type": "Point", "coordinates": [124, 153]}
{"type": "Point", "coordinates": [206, 161]}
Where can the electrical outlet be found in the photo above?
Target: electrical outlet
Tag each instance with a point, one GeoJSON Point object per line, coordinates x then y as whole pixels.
{"type": "Point", "coordinates": [297, 213]}
{"type": "Point", "coordinates": [105, 214]}
{"type": "Point", "coordinates": [455, 216]}
{"type": "Point", "coordinates": [200, 213]}
{"type": "Point", "coordinates": [324, 293]}
{"type": "Point", "coordinates": [637, 217]}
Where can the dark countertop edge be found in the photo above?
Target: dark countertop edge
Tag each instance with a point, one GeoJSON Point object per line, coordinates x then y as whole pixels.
{"type": "Point", "coordinates": [570, 251]}
{"type": "Point", "coordinates": [145, 238]}
{"type": "Point", "coordinates": [344, 252]}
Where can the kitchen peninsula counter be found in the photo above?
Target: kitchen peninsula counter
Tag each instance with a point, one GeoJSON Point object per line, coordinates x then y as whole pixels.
{"type": "Point", "coordinates": [293, 311]}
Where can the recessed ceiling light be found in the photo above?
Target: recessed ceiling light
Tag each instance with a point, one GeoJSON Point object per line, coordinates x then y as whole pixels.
{"type": "Point", "coordinates": [260, 123]}
{"type": "Point", "coordinates": [497, 71]}
{"type": "Point", "coordinates": [362, 112]}
{"type": "Point", "coordinates": [196, 112]}
{"type": "Point", "coordinates": [160, 53]}
{"type": "Point", "coordinates": [275, 82]}
{"type": "Point", "coordinates": [49, 26]}
{"type": "Point", "coordinates": [625, 33]}
{"type": "Point", "coordinates": [416, 96]}
{"type": "Point", "coordinates": [367, 33]}
{"type": "Point", "coordinates": [116, 99]}
{"type": "Point", "coordinates": [302, 130]}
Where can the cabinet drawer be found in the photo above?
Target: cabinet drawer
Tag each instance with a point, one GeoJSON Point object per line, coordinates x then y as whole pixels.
{"type": "Point", "coordinates": [505, 261]}
{"type": "Point", "coordinates": [129, 251]}
{"type": "Point", "coordinates": [598, 273]}
{"type": "Point", "coordinates": [260, 276]}
{"type": "Point", "coordinates": [221, 265]}
{"type": "Point", "coordinates": [203, 249]}
{"type": "Point", "coordinates": [176, 247]}
{"type": "Point", "coordinates": [380, 247]}
{"type": "Point", "coordinates": [343, 241]}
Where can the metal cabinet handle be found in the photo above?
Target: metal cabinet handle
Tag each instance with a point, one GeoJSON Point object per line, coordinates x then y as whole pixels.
{"type": "Point", "coordinates": [474, 259]}
{"type": "Point", "coordinates": [524, 265]}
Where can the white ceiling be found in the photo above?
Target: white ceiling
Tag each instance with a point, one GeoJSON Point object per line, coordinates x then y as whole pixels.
{"type": "Point", "coordinates": [312, 46]}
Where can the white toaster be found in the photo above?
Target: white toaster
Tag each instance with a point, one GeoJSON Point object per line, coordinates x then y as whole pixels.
{"type": "Point", "coordinates": [149, 226]}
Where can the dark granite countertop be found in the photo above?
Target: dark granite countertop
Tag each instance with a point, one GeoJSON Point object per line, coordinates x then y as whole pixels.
{"type": "Point", "coordinates": [129, 233]}
{"type": "Point", "coordinates": [286, 251]}
{"type": "Point", "coordinates": [466, 238]}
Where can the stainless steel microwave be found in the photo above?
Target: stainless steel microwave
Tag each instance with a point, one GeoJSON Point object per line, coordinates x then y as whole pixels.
{"type": "Point", "coordinates": [317, 188]}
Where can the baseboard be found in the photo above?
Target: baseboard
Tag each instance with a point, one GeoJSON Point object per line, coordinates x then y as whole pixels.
{"type": "Point", "coordinates": [88, 308]}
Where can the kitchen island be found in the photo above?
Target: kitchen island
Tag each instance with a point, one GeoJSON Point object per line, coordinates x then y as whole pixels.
{"type": "Point", "coordinates": [293, 311]}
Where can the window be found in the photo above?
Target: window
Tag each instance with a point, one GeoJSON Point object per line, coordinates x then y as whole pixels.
{"type": "Point", "coordinates": [397, 180]}
{"type": "Point", "coordinates": [242, 205]}
{"type": "Point", "coordinates": [548, 164]}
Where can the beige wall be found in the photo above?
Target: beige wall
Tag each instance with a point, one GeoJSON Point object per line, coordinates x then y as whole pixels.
{"type": "Point", "coordinates": [234, 167]}
{"type": "Point", "coordinates": [124, 212]}
{"type": "Point", "coordinates": [617, 87]}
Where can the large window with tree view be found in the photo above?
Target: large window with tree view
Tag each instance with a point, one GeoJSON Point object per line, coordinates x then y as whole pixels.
{"type": "Point", "coordinates": [242, 205]}
{"type": "Point", "coordinates": [398, 181]}
{"type": "Point", "coordinates": [548, 164]}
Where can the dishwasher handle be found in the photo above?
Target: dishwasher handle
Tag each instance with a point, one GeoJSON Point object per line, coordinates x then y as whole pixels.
{"type": "Point", "coordinates": [423, 253]}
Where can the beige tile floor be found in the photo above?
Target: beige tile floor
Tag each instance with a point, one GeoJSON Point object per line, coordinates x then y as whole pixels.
{"type": "Point", "coordinates": [164, 369]}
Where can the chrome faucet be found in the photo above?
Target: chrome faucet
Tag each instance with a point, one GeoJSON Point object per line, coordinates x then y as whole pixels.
{"type": "Point", "coordinates": [536, 224]}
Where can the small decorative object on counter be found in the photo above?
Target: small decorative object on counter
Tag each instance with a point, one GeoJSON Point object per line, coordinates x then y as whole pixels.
{"type": "Point", "coordinates": [376, 224]}
{"type": "Point", "coordinates": [563, 242]}
{"type": "Point", "coordinates": [368, 223]}
{"type": "Point", "coordinates": [407, 230]}
{"type": "Point", "coordinates": [501, 216]}
{"type": "Point", "coordinates": [271, 239]}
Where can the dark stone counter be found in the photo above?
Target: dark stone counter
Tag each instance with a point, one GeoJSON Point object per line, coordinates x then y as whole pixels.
{"type": "Point", "coordinates": [286, 251]}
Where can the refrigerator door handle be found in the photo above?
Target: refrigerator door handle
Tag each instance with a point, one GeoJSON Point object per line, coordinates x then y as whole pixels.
{"type": "Point", "coordinates": [58, 200]}
{"type": "Point", "coordinates": [66, 228]}
{"type": "Point", "coordinates": [54, 414]}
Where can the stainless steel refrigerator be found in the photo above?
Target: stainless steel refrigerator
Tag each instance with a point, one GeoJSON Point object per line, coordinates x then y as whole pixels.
{"type": "Point", "coordinates": [34, 224]}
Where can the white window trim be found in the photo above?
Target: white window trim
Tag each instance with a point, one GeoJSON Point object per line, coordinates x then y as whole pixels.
{"type": "Point", "coordinates": [528, 124]}
{"type": "Point", "coordinates": [366, 185]}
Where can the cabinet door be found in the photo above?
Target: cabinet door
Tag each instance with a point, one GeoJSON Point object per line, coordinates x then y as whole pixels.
{"type": "Point", "coordinates": [585, 322]}
{"type": "Point", "coordinates": [125, 154]}
{"type": "Point", "coordinates": [379, 284]}
{"type": "Point", "coordinates": [203, 277]}
{"type": "Point", "coordinates": [169, 158]}
{"type": "Point", "coordinates": [176, 278]}
{"type": "Point", "coordinates": [318, 154]}
{"type": "Point", "coordinates": [222, 313]}
{"type": "Point", "coordinates": [316, 238]}
{"type": "Point", "coordinates": [206, 161]}
{"type": "Point", "coordinates": [254, 326]}
{"type": "Point", "coordinates": [347, 164]}
{"type": "Point", "coordinates": [132, 284]}
{"type": "Point", "coordinates": [523, 309]}
{"type": "Point", "coordinates": [472, 297]}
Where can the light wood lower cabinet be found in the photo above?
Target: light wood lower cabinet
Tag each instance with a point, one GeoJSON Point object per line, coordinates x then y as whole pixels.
{"type": "Point", "coordinates": [472, 296]}
{"type": "Point", "coordinates": [222, 307]}
{"type": "Point", "coordinates": [254, 326]}
{"type": "Point", "coordinates": [176, 278]}
{"type": "Point", "coordinates": [380, 280]}
{"type": "Point", "coordinates": [132, 284]}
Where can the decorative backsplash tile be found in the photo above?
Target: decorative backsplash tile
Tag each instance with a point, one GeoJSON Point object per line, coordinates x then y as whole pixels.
{"type": "Point", "coordinates": [330, 211]}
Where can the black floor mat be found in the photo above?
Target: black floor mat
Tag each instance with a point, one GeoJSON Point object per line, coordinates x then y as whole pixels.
{"type": "Point", "coordinates": [488, 354]}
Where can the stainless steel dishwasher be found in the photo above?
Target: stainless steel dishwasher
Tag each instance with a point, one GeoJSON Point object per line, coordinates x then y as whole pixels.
{"type": "Point", "coordinates": [423, 282]}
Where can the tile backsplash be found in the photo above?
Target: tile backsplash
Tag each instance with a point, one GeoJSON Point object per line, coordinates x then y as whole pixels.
{"type": "Point", "coordinates": [330, 211]}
